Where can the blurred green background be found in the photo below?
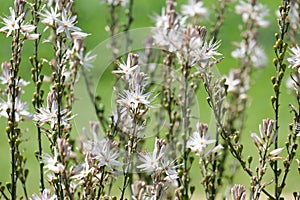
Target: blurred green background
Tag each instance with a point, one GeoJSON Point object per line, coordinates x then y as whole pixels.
{"type": "Point", "coordinates": [92, 18]}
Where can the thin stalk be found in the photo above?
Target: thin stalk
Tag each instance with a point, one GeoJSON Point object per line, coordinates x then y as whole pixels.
{"type": "Point", "coordinates": [37, 4]}
{"type": "Point", "coordinates": [280, 51]}
{"type": "Point", "coordinates": [128, 25]}
{"type": "Point", "coordinates": [101, 181]}
{"type": "Point", "coordinates": [185, 119]}
{"type": "Point", "coordinates": [127, 167]}
{"type": "Point", "coordinates": [223, 134]}
{"type": "Point", "coordinates": [99, 114]}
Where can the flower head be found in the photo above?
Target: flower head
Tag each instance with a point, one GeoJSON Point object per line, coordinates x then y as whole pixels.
{"type": "Point", "coordinates": [11, 23]}
{"type": "Point", "coordinates": [67, 24]}
{"type": "Point", "coordinates": [45, 195]}
{"type": "Point", "coordinates": [86, 60]}
{"type": "Point", "coordinates": [50, 114]}
{"type": "Point", "coordinates": [49, 17]}
{"type": "Point", "coordinates": [200, 139]}
{"type": "Point", "coordinates": [107, 155]}
{"type": "Point", "coordinates": [52, 163]}
{"type": "Point", "coordinates": [256, 13]}
{"type": "Point", "coordinates": [21, 112]}
{"type": "Point", "coordinates": [194, 8]}
{"type": "Point", "coordinates": [294, 61]}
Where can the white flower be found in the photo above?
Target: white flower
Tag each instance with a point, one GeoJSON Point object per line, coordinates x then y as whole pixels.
{"type": "Point", "coordinates": [107, 156]}
{"type": "Point", "coordinates": [151, 163]}
{"type": "Point", "coordinates": [233, 82]}
{"type": "Point", "coordinates": [11, 23]}
{"type": "Point", "coordinates": [86, 60]}
{"type": "Point", "coordinates": [294, 15]}
{"type": "Point", "coordinates": [45, 195]}
{"type": "Point", "coordinates": [161, 21]}
{"type": "Point", "coordinates": [66, 24]}
{"type": "Point", "coordinates": [168, 39]}
{"type": "Point", "coordinates": [199, 140]}
{"type": "Point", "coordinates": [294, 61]}
{"type": "Point", "coordinates": [276, 152]}
{"type": "Point", "coordinates": [257, 13]}
{"type": "Point", "coordinates": [52, 163]}
{"type": "Point", "coordinates": [51, 116]}
{"type": "Point", "coordinates": [84, 170]}
{"type": "Point", "coordinates": [5, 77]}
{"type": "Point", "coordinates": [49, 17]}
{"type": "Point", "coordinates": [193, 9]}
{"type": "Point", "coordinates": [205, 52]}
{"type": "Point", "coordinates": [256, 54]}
{"type": "Point", "coordinates": [126, 69]}
{"type": "Point", "coordinates": [116, 2]}
{"type": "Point", "coordinates": [134, 99]}
{"type": "Point", "coordinates": [21, 112]}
